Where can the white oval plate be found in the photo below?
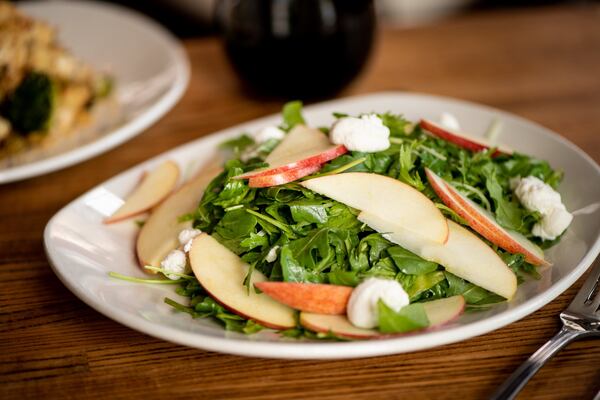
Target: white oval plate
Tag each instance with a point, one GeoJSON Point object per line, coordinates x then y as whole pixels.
{"type": "Point", "coordinates": [82, 250]}
{"type": "Point", "coordinates": [150, 67]}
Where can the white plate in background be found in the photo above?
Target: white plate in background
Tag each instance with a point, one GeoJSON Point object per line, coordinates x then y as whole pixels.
{"type": "Point", "coordinates": [82, 250]}
{"type": "Point", "coordinates": [149, 64]}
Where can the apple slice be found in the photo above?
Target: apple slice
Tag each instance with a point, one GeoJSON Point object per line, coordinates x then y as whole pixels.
{"type": "Point", "coordinates": [154, 188]}
{"type": "Point", "coordinates": [310, 297]}
{"type": "Point", "coordinates": [159, 234]}
{"type": "Point", "coordinates": [483, 222]}
{"type": "Point", "coordinates": [282, 177]}
{"type": "Point", "coordinates": [464, 254]}
{"type": "Point", "coordinates": [339, 325]}
{"type": "Point", "coordinates": [386, 198]}
{"type": "Point", "coordinates": [460, 139]}
{"type": "Point", "coordinates": [221, 273]}
{"type": "Point", "coordinates": [439, 312]}
{"type": "Point", "coordinates": [302, 147]}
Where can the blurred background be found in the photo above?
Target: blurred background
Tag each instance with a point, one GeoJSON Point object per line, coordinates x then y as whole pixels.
{"type": "Point", "coordinates": [196, 17]}
{"type": "Point", "coordinates": [308, 49]}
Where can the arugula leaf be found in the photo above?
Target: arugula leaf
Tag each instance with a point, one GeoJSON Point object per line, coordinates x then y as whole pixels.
{"type": "Point", "coordinates": [524, 165]}
{"type": "Point", "coordinates": [508, 213]}
{"type": "Point", "coordinates": [293, 270]}
{"type": "Point", "coordinates": [313, 250]}
{"type": "Point", "coordinates": [410, 318]}
{"type": "Point", "coordinates": [407, 165]}
{"type": "Point", "coordinates": [236, 224]}
{"type": "Point", "coordinates": [308, 210]}
{"type": "Point", "coordinates": [238, 144]}
{"type": "Point", "coordinates": [292, 115]}
{"type": "Point", "coordinates": [255, 240]}
{"type": "Point", "coordinates": [397, 125]}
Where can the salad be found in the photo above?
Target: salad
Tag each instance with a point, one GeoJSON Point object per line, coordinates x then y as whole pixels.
{"type": "Point", "coordinates": [372, 226]}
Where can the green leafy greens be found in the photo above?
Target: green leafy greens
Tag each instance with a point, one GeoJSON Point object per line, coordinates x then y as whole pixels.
{"type": "Point", "coordinates": [321, 240]}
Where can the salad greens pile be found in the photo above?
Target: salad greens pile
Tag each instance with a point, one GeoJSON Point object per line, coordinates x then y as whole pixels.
{"type": "Point", "coordinates": [320, 240]}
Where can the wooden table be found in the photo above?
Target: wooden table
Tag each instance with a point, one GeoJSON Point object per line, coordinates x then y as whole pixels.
{"type": "Point", "coordinates": [543, 64]}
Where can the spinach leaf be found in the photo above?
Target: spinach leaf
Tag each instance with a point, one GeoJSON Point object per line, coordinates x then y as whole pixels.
{"type": "Point", "coordinates": [344, 278]}
{"type": "Point", "coordinates": [409, 318]}
{"type": "Point", "coordinates": [473, 294]}
{"type": "Point", "coordinates": [417, 285]}
{"type": "Point", "coordinates": [409, 263]}
{"type": "Point", "coordinates": [384, 268]}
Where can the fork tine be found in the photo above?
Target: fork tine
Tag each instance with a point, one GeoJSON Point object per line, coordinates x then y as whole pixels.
{"type": "Point", "coordinates": [586, 297]}
{"type": "Point", "coordinates": [595, 301]}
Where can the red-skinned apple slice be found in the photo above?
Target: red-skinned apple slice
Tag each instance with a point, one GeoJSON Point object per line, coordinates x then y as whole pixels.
{"type": "Point", "coordinates": [311, 297]}
{"type": "Point", "coordinates": [460, 139]}
{"type": "Point", "coordinates": [302, 147]}
{"type": "Point", "coordinates": [484, 222]}
{"type": "Point", "coordinates": [159, 234]}
{"type": "Point", "coordinates": [386, 198]}
{"type": "Point", "coordinates": [283, 177]}
{"type": "Point", "coordinates": [221, 273]}
{"type": "Point", "coordinates": [439, 312]}
{"type": "Point", "coordinates": [154, 188]}
{"type": "Point", "coordinates": [464, 254]}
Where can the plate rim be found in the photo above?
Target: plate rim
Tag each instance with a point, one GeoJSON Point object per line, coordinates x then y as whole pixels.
{"type": "Point", "coordinates": [336, 350]}
{"type": "Point", "coordinates": [125, 132]}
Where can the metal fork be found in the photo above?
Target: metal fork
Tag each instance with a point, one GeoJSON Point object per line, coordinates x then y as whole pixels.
{"type": "Point", "coordinates": [580, 319]}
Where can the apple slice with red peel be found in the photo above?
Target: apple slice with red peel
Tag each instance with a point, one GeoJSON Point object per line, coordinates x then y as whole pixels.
{"type": "Point", "coordinates": [439, 312]}
{"type": "Point", "coordinates": [282, 178]}
{"type": "Point", "coordinates": [387, 198]}
{"type": "Point", "coordinates": [302, 147]}
{"type": "Point", "coordinates": [442, 311]}
{"type": "Point", "coordinates": [154, 188]}
{"type": "Point", "coordinates": [483, 222]}
{"type": "Point", "coordinates": [461, 139]}
{"type": "Point", "coordinates": [464, 254]}
{"type": "Point", "coordinates": [159, 234]}
{"type": "Point", "coordinates": [338, 325]}
{"type": "Point", "coordinates": [221, 273]}
{"type": "Point", "coordinates": [311, 297]}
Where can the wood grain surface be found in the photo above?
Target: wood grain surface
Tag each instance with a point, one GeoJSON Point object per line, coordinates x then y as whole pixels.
{"type": "Point", "coordinates": [543, 64]}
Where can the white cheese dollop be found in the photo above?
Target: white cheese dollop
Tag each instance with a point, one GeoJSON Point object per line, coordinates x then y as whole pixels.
{"type": "Point", "coordinates": [536, 195]}
{"type": "Point", "coordinates": [268, 133]}
{"type": "Point", "coordinates": [552, 224]}
{"type": "Point", "coordinates": [272, 254]}
{"type": "Point", "coordinates": [367, 133]}
{"type": "Point", "coordinates": [186, 236]}
{"type": "Point", "coordinates": [175, 261]}
{"type": "Point", "coordinates": [362, 307]}
{"type": "Point", "coordinates": [449, 121]}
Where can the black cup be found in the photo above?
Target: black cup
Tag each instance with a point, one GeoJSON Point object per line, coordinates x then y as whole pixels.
{"type": "Point", "coordinates": [297, 48]}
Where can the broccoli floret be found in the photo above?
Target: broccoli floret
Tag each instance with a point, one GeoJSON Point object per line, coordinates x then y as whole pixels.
{"type": "Point", "coordinates": [31, 105]}
{"type": "Point", "coordinates": [104, 87]}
